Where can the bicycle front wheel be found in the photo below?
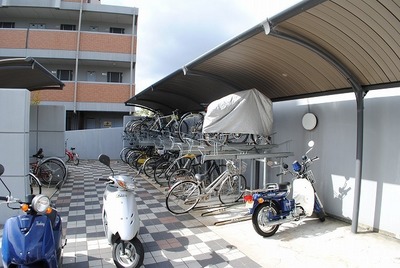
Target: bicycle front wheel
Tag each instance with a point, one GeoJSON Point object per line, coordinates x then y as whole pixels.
{"type": "Point", "coordinates": [191, 126]}
{"type": "Point", "coordinates": [232, 189]}
{"type": "Point", "coordinates": [76, 159]}
{"type": "Point", "coordinates": [183, 197]}
{"type": "Point", "coordinates": [51, 172]}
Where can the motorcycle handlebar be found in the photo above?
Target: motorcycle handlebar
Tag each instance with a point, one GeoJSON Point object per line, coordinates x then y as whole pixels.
{"type": "Point", "coordinates": [102, 179]}
{"type": "Point", "coordinates": [3, 198]}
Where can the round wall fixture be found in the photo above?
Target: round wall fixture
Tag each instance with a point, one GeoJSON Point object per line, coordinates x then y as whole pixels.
{"type": "Point", "coordinates": [309, 121]}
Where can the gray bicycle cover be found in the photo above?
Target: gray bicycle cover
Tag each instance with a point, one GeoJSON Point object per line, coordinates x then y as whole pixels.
{"type": "Point", "coordinates": [246, 112]}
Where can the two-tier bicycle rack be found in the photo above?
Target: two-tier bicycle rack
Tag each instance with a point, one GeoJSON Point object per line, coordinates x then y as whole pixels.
{"type": "Point", "coordinates": [253, 152]}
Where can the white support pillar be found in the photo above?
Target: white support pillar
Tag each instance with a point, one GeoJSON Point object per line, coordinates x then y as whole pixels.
{"type": "Point", "coordinates": [14, 144]}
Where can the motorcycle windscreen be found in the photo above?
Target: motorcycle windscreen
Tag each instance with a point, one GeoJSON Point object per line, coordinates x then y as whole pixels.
{"type": "Point", "coordinates": [303, 195]}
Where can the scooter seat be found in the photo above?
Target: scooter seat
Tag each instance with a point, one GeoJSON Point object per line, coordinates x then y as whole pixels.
{"type": "Point", "coordinates": [284, 186]}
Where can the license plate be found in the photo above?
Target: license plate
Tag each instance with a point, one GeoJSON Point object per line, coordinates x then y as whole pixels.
{"type": "Point", "coordinates": [249, 204]}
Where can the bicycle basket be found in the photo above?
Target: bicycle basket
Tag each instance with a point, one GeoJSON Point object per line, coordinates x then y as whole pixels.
{"type": "Point", "coordinates": [310, 176]}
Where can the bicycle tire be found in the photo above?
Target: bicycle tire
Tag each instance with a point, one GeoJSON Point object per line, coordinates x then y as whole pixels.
{"type": "Point", "coordinates": [131, 158]}
{"type": "Point", "coordinates": [150, 165]}
{"type": "Point", "coordinates": [123, 153]}
{"type": "Point", "coordinates": [183, 197]}
{"type": "Point", "coordinates": [191, 126]}
{"type": "Point", "coordinates": [51, 172]}
{"type": "Point", "coordinates": [160, 175]}
{"type": "Point", "coordinates": [232, 189]}
{"type": "Point", "coordinates": [260, 140]}
{"type": "Point", "coordinates": [181, 174]}
{"type": "Point", "coordinates": [237, 138]}
{"type": "Point", "coordinates": [218, 138]}
{"type": "Point", "coordinates": [34, 184]}
{"type": "Point", "coordinates": [76, 160]}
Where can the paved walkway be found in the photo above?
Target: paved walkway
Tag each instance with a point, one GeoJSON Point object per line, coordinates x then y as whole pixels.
{"type": "Point", "coordinates": [193, 240]}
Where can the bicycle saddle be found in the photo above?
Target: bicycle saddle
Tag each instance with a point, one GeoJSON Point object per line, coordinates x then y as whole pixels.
{"type": "Point", "coordinates": [39, 153]}
{"type": "Point", "coordinates": [201, 177]}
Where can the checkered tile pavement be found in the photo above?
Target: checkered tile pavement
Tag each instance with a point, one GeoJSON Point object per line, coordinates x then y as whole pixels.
{"type": "Point", "coordinates": [169, 240]}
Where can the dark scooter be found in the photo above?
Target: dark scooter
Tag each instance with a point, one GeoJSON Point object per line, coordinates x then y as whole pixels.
{"type": "Point", "coordinates": [271, 207]}
{"type": "Point", "coordinates": [35, 238]}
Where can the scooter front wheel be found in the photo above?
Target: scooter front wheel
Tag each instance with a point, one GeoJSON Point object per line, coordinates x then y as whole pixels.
{"type": "Point", "coordinates": [128, 253]}
{"type": "Point", "coordinates": [260, 219]}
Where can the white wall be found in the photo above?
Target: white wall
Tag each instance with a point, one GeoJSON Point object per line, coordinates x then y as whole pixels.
{"type": "Point", "coordinates": [91, 143]}
{"type": "Point", "coordinates": [335, 144]}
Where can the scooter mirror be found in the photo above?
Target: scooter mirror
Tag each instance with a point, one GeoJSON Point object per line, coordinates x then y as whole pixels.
{"type": "Point", "coordinates": [104, 159]}
{"type": "Point", "coordinates": [311, 144]}
{"type": "Point", "coordinates": [1, 169]}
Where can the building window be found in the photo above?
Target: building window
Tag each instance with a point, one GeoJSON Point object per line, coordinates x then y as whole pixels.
{"type": "Point", "coordinates": [114, 77]}
{"type": "Point", "coordinates": [37, 26]}
{"type": "Point", "coordinates": [5, 24]}
{"type": "Point", "coordinates": [65, 75]}
{"type": "Point", "coordinates": [117, 30]}
{"type": "Point", "coordinates": [68, 27]}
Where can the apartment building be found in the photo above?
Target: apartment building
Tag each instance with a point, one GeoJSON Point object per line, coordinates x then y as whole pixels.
{"type": "Point", "coordinates": [89, 46]}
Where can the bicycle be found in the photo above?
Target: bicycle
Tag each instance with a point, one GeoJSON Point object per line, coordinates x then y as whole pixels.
{"type": "Point", "coordinates": [163, 124]}
{"type": "Point", "coordinates": [50, 171]}
{"type": "Point", "coordinates": [152, 162]}
{"type": "Point", "coordinates": [71, 156]}
{"type": "Point", "coordinates": [191, 126]}
{"type": "Point", "coordinates": [136, 157]}
{"type": "Point", "coordinates": [212, 171]}
{"type": "Point", "coordinates": [164, 170]}
{"type": "Point", "coordinates": [186, 194]}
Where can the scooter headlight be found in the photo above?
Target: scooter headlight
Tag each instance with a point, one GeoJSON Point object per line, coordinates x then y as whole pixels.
{"type": "Point", "coordinates": [125, 182]}
{"type": "Point", "coordinates": [40, 203]}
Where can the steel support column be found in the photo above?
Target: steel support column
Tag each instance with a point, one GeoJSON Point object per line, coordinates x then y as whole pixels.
{"type": "Point", "coordinates": [358, 90]}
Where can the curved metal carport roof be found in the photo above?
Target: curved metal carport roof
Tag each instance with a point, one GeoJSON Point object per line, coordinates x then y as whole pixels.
{"type": "Point", "coordinates": [27, 73]}
{"type": "Point", "coordinates": [316, 47]}
{"type": "Point", "coordinates": [313, 48]}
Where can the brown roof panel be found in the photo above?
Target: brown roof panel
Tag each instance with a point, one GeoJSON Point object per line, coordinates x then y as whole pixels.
{"type": "Point", "coordinates": [315, 47]}
{"type": "Point", "coordinates": [26, 73]}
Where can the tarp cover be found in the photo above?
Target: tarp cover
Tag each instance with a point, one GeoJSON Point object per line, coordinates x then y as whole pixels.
{"type": "Point", "coordinates": [246, 112]}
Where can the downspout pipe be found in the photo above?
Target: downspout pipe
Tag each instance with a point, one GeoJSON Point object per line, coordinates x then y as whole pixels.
{"type": "Point", "coordinates": [359, 92]}
{"type": "Point", "coordinates": [131, 62]}
{"type": "Point", "coordinates": [78, 42]}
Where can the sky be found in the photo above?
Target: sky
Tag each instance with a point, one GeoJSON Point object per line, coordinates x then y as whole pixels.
{"type": "Point", "coordinates": [172, 33]}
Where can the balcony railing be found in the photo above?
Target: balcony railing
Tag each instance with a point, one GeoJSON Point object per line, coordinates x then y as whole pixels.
{"type": "Point", "coordinates": [66, 40]}
{"type": "Point", "coordinates": [87, 92]}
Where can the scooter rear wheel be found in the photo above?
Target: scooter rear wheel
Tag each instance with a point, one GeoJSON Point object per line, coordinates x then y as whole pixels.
{"type": "Point", "coordinates": [260, 219]}
{"type": "Point", "coordinates": [133, 255]}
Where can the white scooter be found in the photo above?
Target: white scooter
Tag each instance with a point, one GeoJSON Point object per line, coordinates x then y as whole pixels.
{"type": "Point", "coordinates": [120, 218]}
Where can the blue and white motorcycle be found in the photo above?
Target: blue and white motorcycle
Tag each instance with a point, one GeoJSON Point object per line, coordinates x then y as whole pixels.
{"type": "Point", "coordinates": [35, 238]}
{"type": "Point", "coordinates": [272, 206]}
